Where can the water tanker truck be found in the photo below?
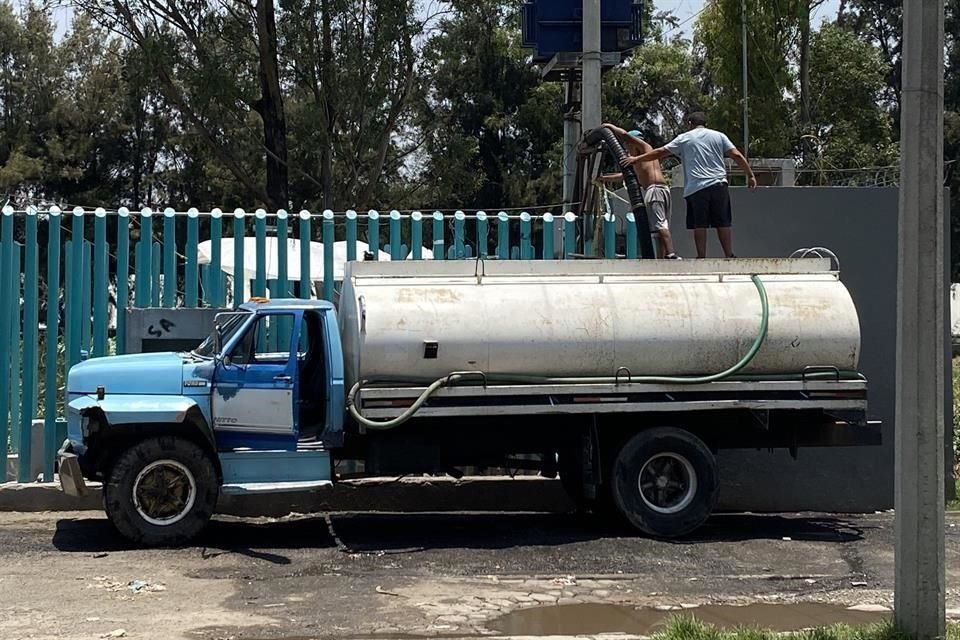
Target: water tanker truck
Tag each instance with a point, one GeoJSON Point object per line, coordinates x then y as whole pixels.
{"type": "Point", "coordinates": [623, 378]}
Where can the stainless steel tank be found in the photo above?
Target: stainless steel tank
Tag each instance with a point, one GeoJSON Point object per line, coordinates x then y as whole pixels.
{"type": "Point", "coordinates": [412, 321]}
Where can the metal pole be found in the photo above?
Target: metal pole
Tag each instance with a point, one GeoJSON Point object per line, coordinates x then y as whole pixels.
{"type": "Point", "coordinates": [571, 134]}
{"type": "Point", "coordinates": [590, 104]}
{"type": "Point", "coordinates": [920, 411]}
{"type": "Point", "coordinates": [743, 55]}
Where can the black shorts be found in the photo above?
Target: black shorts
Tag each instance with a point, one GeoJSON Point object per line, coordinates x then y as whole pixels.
{"type": "Point", "coordinates": [709, 207]}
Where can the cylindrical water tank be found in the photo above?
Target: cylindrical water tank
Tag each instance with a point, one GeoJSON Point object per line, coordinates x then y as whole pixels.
{"type": "Point", "coordinates": [418, 321]}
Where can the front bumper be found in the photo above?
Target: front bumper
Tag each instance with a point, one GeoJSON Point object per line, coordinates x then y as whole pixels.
{"type": "Point", "coordinates": [71, 477]}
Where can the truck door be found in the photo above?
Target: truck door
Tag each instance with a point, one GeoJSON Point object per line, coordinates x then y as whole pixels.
{"type": "Point", "coordinates": [256, 386]}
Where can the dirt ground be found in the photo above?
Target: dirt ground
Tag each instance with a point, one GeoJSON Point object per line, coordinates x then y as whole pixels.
{"type": "Point", "coordinates": [68, 575]}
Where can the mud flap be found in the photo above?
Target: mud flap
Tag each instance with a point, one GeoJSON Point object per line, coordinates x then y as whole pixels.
{"type": "Point", "coordinates": [71, 478]}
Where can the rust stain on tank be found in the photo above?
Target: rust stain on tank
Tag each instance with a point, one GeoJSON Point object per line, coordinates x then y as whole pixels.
{"type": "Point", "coordinates": [429, 294]}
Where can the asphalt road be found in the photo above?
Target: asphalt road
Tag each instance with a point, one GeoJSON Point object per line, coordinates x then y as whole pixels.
{"type": "Point", "coordinates": [68, 575]}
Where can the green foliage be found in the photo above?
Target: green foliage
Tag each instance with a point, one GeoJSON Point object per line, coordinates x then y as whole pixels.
{"type": "Point", "coordinates": [688, 628]}
{"type": "Point", "coordinates": [849, 128]}
{"type": "Point", "coordinates": [771, 31]}
{"type": "Point", "coordinates": [654, 89]}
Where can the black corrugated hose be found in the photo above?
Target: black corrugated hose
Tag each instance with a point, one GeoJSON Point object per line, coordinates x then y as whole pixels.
{"type": "Point", "coordinates": [612, 144]}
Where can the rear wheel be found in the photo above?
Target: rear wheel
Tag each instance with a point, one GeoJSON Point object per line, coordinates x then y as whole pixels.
{"type": "Point", "coordinates": [161, 491]}
{"type": "Point", "coordinates": [665, 482]}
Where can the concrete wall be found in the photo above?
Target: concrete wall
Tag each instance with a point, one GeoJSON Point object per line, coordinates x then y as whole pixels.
{"type": "Point", "coordinates": [180, 329]}
{"type": "Point", "coordinates": [860, 226]}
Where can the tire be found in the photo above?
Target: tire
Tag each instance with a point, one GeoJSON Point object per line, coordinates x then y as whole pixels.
{"type": "Point", "coordinates": [665, 482]}
{"type": "Point", "coordinates": [172, 512]}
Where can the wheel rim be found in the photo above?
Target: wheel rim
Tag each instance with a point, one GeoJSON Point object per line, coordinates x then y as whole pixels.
{"type": "Point", "coordinates": [164, 492]}
{"type": "Point", "coordinates": [667, 483]}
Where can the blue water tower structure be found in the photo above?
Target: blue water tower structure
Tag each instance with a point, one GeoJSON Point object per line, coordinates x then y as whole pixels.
{"type": "Point", "coordinates": [554, 30]}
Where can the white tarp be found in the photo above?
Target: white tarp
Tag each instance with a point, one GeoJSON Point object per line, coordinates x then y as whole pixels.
{"type": "Point", "coordinates": [955, 311]}
{"type": "Point", "coordinates": [204, 250]}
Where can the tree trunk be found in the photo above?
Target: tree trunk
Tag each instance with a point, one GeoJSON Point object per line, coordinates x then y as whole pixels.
{"type": "Point", "coordinates": [329, 106]}
{"type": "Point", "coordinates": [270, 108]}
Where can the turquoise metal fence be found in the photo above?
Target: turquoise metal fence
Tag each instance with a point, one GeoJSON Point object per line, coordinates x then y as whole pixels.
{"type": "Point", "coordinates": [78, 271]}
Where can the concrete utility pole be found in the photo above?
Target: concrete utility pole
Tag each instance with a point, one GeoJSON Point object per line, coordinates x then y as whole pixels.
{"type": "Point", "coordinates": [591, 68]}
{"type": "Point", "coordinates": [919, 493]}
{"type": "Point", "coordinates": [591, 65]}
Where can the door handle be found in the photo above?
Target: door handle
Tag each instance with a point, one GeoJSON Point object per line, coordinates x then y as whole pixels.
{"type": "Point", "coordinates": [283, 378]}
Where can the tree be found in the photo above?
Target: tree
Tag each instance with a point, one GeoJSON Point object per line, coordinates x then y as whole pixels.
{"type": "Point", "coordinates": [846, 82]}
{"type": "Point", "coordinates": [487, 128]}
{"type": "Point", "coordinates": [879, 22]}
{"type": "Point", "coordinates": [354, 70]}
{"type": "Point", "coordinates": [772, 30]}
{"type": "Point", "coordinates": [215, 64]}
{"type": "Point", "coordinates": [654, 89]}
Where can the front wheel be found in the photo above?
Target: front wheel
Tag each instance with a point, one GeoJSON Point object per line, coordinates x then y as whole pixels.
{"type": "Point", "coordinates": [161, 491]}
{"type": "Point", "coordinates": [665, 482]}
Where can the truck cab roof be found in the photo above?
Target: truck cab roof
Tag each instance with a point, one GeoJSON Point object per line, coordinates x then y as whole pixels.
{"type": "Point", "coordinates": [285, 304]}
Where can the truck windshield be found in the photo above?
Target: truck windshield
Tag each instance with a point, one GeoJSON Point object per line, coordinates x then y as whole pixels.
{"type": "Point", "coordinates": [229, 323]}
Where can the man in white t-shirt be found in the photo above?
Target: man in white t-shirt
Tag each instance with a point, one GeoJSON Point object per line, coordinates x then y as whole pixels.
{"type": "Point", "coordinates": [702, 152]}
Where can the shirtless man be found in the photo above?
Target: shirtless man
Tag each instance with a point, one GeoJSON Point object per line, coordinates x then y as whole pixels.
{"type": "Point", "coordinates": [656, 193]}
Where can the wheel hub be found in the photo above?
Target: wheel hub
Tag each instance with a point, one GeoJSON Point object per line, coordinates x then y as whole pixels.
{"type": "Point", "coordinates": [164, 492]}
{"type": "Point", "coordinates": [667, 483]}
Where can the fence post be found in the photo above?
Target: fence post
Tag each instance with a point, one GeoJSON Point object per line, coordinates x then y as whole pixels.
{"type": "Point", "coordinates": [215, 281]}
{"type": "Point", "coordinates": [6, 319]}
{"type": "Point", "coordinates": [396, 244]}
{"type": "Point", "coordinates": [569, 234]}
{"type": "Point", "coordinates": [482, 243]}
{"type": "Point", "coordinates": [169, 258]}
{"type": "Point", "coordinates": [239, 268]}
{"type": "Point", "coordinates": [305, 282]}
{"type": "Point", "coordinates": [101, 293]}
{"type": "Point", "coordinates": [87, 304]}
{"type": "Point", "coordinates": [459, 226]}
{"type": "Point", "coordinates": [351, 235]}
{"type": "Point", "coordinates": [144, 257]}
{"type": "Point", "coordinates": [191, 271]}
{"type": "Point", "coordinates": [416, 235]}
{"type": "Point", "coordinates": [260, 232]}
{"type": "Point", "coordinates": [547, 236]}
{"type": "Point", "coordinates": [52, 339]}
{"type": "Point", "coordinates": [438, 236]}
{"type": "Point", "coordinates": [526, 231]}
{"type": "Point", "coordinates": [16, 379]}
{"type": "Point", "coordinates": [283, 233]}
{"type": "Point", "coordinates": [123, 276]}
{"type": "Point", "coordinates": [503, 236]}
{"type": "Point", "coordinates": [631, 235]}
{"type": "Point", "coordinates": [28, 405]}
{"type": "Point", "coordinates": [76, 286]}
{"type": "Point", "coordinates": [609, 236]}
{"type": "Point", "coordinates": [157, 249]}
{"type": "Point", "coordinates": [373, 233]}
{"type": "Point", "coordinates": [328, 273]}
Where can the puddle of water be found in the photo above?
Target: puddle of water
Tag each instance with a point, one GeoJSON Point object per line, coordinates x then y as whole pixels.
{"type": "Point", "coordinates": [607, 618]}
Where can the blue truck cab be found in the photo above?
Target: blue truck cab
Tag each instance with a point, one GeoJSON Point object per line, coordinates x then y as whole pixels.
{"type": "Point", "coordinates": [255, 408]}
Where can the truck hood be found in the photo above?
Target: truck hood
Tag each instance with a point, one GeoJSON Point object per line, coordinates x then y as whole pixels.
{"type": "Point", "coordinates": [141, 373]}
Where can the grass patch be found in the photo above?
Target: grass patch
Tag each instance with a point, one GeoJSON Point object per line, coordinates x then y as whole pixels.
{"type": "Point", "coordinates": [954, 505]}
{"type": "Point", "coordinates": [688, 628]}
